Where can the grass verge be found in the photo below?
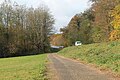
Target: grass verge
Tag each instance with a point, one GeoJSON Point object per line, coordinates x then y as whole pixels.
{"type": "Point", "coordinates": [23, 68]}
{"type": "Point", "coordinates": [104, 55]}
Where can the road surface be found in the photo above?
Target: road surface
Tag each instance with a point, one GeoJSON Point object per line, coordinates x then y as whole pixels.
{"type": "Point", "coordinates": [66, 69]}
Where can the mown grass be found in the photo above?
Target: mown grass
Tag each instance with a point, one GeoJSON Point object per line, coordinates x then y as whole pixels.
{"type": "Point", "coordinates": [23, 68]}
{"type": "Point", "coordinates": [103, 55]}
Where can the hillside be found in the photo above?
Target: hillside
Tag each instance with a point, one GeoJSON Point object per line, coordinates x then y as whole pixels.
{"type": "Point", "coordinates": [104, 55]}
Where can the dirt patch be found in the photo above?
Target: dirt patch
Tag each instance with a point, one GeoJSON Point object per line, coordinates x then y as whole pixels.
{"type": "Point", "coordinates": [66, 69]}
{"type": "Point", "coordinates": [101, 70]}
{"type": "Point", "coordinates": [51, 72]}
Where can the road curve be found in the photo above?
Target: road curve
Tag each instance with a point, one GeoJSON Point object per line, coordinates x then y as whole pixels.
{"type": "Point", "coordinates": [72, 70]}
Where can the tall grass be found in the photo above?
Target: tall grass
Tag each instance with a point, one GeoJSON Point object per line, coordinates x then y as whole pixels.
{"type": "Point", "coordinates": [105, 55]}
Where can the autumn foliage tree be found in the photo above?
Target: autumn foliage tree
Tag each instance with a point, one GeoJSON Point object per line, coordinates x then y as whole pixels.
{"type": "Point", "coordinates": [79, 28]}
{"type": "Point", "coordinates": [57, 40]}
{"type": "Point", "coordinates": [101, 24]}
{"type": "Point", "coordinates": [94, 24]}
{"type": "Point", "coordinates": [115, 14]}
{"type": "Point", "coordinates": [24, 31]}
{"type": "Point", "coordinates": [71, 31]}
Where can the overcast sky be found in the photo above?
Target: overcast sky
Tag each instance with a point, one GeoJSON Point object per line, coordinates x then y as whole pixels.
{"type": "Point", "coordinates": [63, 10]}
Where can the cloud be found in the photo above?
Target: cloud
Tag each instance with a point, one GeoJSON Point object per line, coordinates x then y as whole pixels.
{"type": "Point", "coordinates": [1, 1]}
{"type": "Point", "coordinates": [63, 10]}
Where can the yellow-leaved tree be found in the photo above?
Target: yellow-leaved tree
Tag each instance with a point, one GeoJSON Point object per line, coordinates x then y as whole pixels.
{"type": "Point", "coordinates": [115, 34]}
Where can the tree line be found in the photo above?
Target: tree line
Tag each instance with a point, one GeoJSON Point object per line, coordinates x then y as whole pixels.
{"type": "Point", "coordinates": [23, 30]}
{"type": "Point", "coordinates": [99, 23]}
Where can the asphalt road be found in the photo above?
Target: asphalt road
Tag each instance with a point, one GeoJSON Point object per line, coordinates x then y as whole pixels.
{"type": "Point", "coordinates": [67, 69]}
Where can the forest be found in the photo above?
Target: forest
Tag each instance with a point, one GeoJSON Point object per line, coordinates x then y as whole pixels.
{"type": "Point", "coordinates": [23, 30]}
{"type": "Point", "coordinates": [99, 23]}
{"type": "Point", "coordinates": [26, 31]}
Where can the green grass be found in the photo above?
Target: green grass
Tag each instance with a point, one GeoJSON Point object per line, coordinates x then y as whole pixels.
{"type": "Point", "coordinates": [103, 55]}
{"type": "Point", "coordinates": [23, 68]}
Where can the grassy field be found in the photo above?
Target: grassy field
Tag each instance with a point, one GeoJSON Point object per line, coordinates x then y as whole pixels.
{"type": "Point", "coordinates": [23, 68]}
{"type": "Point", "coordinates": [103, 55]}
